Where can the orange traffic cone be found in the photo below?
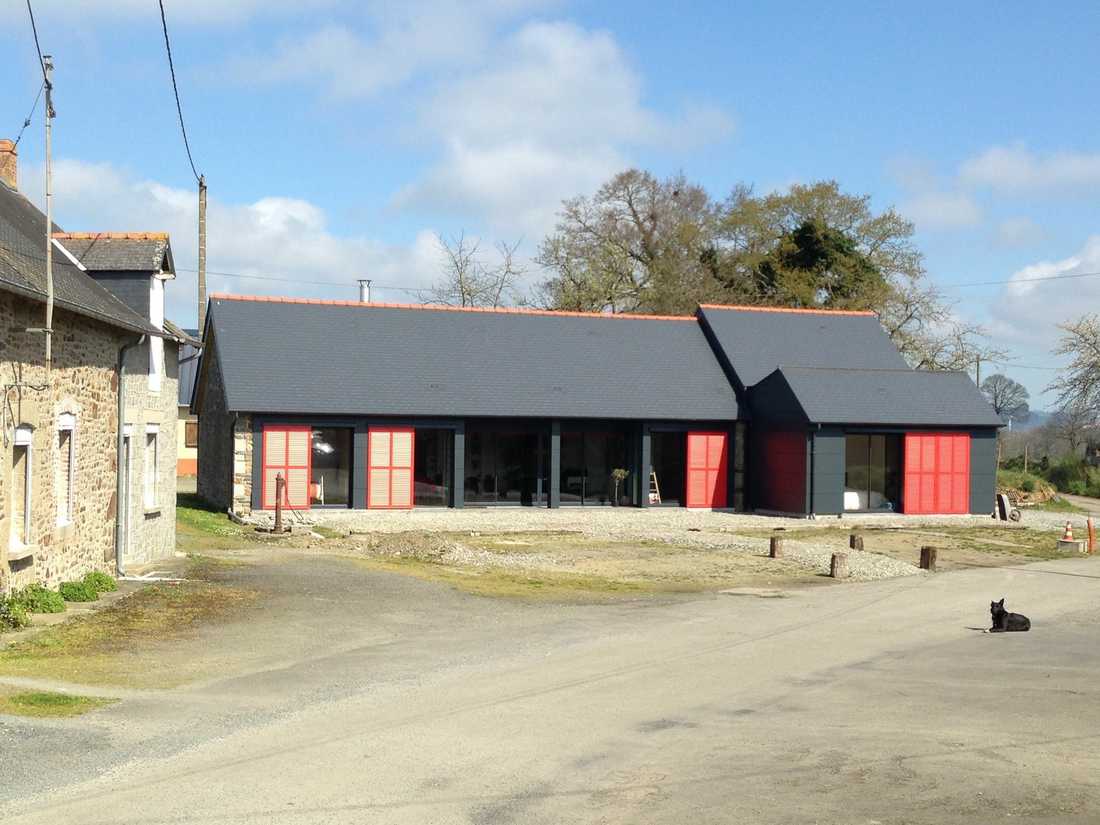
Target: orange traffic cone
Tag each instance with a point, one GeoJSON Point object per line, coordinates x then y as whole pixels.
{"type": "Point", "coordinates": [1068, 535]}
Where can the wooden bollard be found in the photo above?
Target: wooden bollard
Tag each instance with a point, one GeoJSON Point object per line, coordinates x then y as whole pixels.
{"type": "Point", "coordinates": [280, 488]}
{"type": "Point", "coordinates": [855, 541]}
{"type": "Point", "coordinates": [838, 568]}
{"type": "Point", "coordinates": [1092, 536]}
{"type": "Point", "coordinates": [928, 559]}
{"type": "Point", "coordinates": [776, 549]}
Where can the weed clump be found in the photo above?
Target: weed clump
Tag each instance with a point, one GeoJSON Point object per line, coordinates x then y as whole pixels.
{"type": "Point", "coordinates": [78, 591]}
{"type": "Point", "coordinates": [38, 599]}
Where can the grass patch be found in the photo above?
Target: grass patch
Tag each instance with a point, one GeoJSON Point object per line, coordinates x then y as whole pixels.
{"type": "Point", "coordinates": [531, 585]}
{"type": "Point", "coordinates": [46, 704]}
{"type": "Point", "coordinates": [200, 527]}
{"type": "Point", "coordinates": [326, 532]}
{"type": "Point", "coordinates": [1058, 505]}
{"type": "Point", "coordinates": [111, 646]}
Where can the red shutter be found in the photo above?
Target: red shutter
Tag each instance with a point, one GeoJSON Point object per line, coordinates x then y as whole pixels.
{"type": "Point", "coordinates": [707, 454]}
{"type": "Point", "coordinates": [937, 473]}
{"type": "Point", "coordinates": [390, 468]}
{"type": "Point", "coordinates": [287, 449]}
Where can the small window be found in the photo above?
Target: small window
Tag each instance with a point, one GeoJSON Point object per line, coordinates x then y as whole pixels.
{"type": "Point", "coordinates": [21, 494]}
{"type": "Point", "coordinates": [66, 468]}
{"type": "Point", "coordinates": [150, 475]}
{"type": "Point", "coordinates": [191, 434]}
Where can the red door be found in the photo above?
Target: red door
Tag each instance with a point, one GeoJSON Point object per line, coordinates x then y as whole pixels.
{"type": "Point", "coordinates": [706, 469]}
{"type": "Point", "coordinates": [390, 468]}
{"type": "Point", "coordinates": [937, 473]}
{"type": "Point", "coordinates": [287, 449]}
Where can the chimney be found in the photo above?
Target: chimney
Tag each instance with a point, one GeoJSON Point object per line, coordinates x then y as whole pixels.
{"type": "Point", "coordinates": [364, 290]}
{"type": "Point", "coordinates": [9, 164]}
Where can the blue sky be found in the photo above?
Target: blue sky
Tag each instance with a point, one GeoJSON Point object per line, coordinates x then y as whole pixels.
{"type": "Point", "coordinates": [339, 137]}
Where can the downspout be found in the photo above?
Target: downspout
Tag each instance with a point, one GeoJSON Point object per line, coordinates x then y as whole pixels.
{"type": "Point", "coordinates": [119, 491]}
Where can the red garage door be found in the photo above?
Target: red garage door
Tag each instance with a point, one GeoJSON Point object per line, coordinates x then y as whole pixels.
{"type": "Point", "coordinates": [287, 450]}
{"type": "Point", "coordinates": [390, 468]}
{"type": "Point", "coordinates": [937, 473]}
{"type": "Point", "coordinates": [706, 469]}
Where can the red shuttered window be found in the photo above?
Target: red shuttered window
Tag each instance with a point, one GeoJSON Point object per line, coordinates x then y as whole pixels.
{"type": "Point", "coordinates": [390, 468]}
{"type": "Point", "coordinates": [937, 473]}
{"type": "Point", "coordinates": [707, 457]}
{"type": "Point", "coordinates": [286, 450]}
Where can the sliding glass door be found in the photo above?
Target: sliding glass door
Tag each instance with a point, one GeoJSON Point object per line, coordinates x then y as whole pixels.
{"type": "Point", "coordinates": [588, 461]}
{"type": "Point", "coordinates": [507, 465]}
{"type": "Point", "coordinates": [872, 473]}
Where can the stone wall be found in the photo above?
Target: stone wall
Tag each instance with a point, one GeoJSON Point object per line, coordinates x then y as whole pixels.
{"type": "Point", "coordinates": [83, 382]}
{"type": "Point", "coordinates": [242, 465]}
{"type": "Point", "coordinates": [151, 534]}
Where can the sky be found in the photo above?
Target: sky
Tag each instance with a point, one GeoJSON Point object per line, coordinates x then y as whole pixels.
{"type": "Point", "coordinates": [339, 138]}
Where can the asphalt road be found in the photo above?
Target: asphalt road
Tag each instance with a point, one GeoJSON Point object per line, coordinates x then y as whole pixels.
{"type": "Point", "coordinates": [367, 697]}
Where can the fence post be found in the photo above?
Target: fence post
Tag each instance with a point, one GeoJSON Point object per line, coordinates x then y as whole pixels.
{"type": "Point", "coordinates": [280, 487]}
{"type": "Point", "coordinates": [776, 550]}
{"type": "Point", "coordinates": [928, 559]}
{"type": "Point", "coordinates": [855, 541]}
{"type": "Point", "coordinates": [838, 567]}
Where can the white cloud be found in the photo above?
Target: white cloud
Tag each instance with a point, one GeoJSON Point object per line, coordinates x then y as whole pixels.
{"type": "Point", "coordinates": [399, 41]}
{"type": "Point", "coordinates": [1018, 232]}
{"type": "Point", "coordinates": [273, 237]}
{"type": "Point", "coordinates": [942, 210]}
{"type": "Point", "coordinates": [90, 12]}
{"type": "Point", "coordinates": [1018, 170]}
{"type": "Point", "coordinates": [551, 115]}
{"type": "Point", "coordinates": [1031, 305]}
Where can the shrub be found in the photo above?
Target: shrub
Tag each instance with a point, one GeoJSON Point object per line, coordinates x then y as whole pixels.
{"type": "Point", "coordinates": [13, 615]}
{"type": "Point", "coordinates": [37, 599]}
{"type": "Point", "coordinates": [1028, 485]}
{"type": "Point", "coordinates": [101, 582]}
{"type": "Point", "coordinates": [1069, 474]}
{"type": "Point", "coordinates": [78, 592]}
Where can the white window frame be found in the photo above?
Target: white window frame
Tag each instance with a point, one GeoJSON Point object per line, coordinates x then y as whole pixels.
{"type": "Point", "coordinates": [150, 480]}
{"type": "Point", "coordinates": [24, 437]}
{"type": "Point", "coordinates": [66, 422]}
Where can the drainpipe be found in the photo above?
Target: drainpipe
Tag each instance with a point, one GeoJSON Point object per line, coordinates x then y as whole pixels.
{"type": "Point", "coordinates": [119, 491]}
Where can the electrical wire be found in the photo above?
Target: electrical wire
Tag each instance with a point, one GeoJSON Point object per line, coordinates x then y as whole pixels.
{"type": "Point", "coordinates": [1067, 276]}
{"type": "Point", "coordinates": [176, 92]}
{"type": "Point", "coordinates": [37, 48]}
{"type": "Point", "coordinates": [384, 287]}
{"type": "Point", "coordinates": [30, 115]}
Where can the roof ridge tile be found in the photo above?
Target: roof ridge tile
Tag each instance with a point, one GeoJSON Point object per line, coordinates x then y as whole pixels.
{"type": "Point", "coordinates": [799, 310]}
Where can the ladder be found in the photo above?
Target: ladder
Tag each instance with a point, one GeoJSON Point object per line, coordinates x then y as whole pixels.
{"type": "Point", "coordinates": [654, 489]}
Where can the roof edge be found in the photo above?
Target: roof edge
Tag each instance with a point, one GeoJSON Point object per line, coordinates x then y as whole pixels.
{"type": "Point", "coordinates": [111, 236]}
{"type": "Point", "coordinates": [274, 299]}
{"type": "Point", "coordinates": [795, 310]}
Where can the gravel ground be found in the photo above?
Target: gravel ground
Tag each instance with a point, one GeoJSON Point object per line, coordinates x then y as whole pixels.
{"type": "Point", "coordinates": [716, 530]}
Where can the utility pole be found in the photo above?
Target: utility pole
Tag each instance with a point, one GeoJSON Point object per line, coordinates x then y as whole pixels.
{"type": "Point", "coordinates": [47, 70]}
{"type": "Point", "coordinates": [1025, 457]}
{"type": "Point", "coordinates": [978, 370]}
{"type": "Point", "coordinates": [202, 253]}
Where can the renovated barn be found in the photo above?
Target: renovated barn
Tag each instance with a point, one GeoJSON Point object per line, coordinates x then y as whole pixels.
{"type": "Point", "coordinates": [394, 406]}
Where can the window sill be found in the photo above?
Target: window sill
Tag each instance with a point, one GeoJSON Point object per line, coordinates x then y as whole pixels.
{"type": "Point", "coordinates": [21, 551]}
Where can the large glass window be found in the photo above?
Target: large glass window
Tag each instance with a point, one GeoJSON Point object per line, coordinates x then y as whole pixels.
{"type": "Point", "coordinates": [588, 459]}
{"type": "Point", "coordinates": [506, 466]}
{"type": "Point", "coordinates": [872, 472]}
{"type": "Point", "coordinates": [666, 452]}
{"type": "Point", "coordinates": [330, 475]}
{"type": "Point", "coordinates": [433, 467]}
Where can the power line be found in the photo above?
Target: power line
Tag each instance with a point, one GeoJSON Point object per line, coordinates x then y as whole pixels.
{"type": "Point", "coordinates": [175, 90]}
{"type": "Point", "coordinates": [30, 115]}
{"type": "Point", "coordinates": [384, 287]}
{"type": "Point", "coordinates": [1027, 280]}
{"type": "Point", "coordinates": [37, 48]}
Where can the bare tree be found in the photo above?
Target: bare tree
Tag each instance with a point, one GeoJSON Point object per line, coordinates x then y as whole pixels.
{"type": "Point", "coordinates": [468, 281]}
{"type": "Point", "coordinates": [1072, 424]}
{"type": "Point", "coordinates": [1008, 398]}
{"type": "Point", "coordinates": [1078, 384]}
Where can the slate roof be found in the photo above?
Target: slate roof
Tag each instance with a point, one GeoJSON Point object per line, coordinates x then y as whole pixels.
{"type": "Point", "coordinates": [23, 268]}
{"type": "Point", "coordinates": [117, 251]}
{"type": "Point", "coordinates": [888, 397]}
{"type": "Point", "coordinates": [189, 356]}
{"type": "Point", "coordinates": [300, 356]}
{"type": "Point", "coordinates": [756, 340]}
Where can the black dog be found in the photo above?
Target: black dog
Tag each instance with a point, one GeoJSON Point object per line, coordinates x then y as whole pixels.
{"type": "Point", "coordinates": [1005, 622]}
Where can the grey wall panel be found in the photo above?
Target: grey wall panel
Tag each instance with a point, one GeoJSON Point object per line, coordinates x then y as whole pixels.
{"type": "Point", "coordinates": [132, 288]}
{"type": "Point", "coordinates": [458, 490]}
{"type": "Point", "coordinates": [645, 465]}
{"type": "Point", "coordinates": [827, 484]}
{"type": "Point", "coordinates": [555, 464]}
{"type": "Point", "coordinates": [983, 470]}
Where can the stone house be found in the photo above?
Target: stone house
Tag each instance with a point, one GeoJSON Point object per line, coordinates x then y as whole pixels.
{"type": "Point", "coordinates": [59, 422]}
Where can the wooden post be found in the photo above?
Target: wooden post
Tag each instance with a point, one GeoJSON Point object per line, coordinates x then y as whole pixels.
{"type": "Point", "coordinates": [855, 541]}
{"type": "Point", "coordinates": [1092, 536]}
{"type": "Point", "coordinates": [928, 559]}
{"type": "Point", "coordinates": [838, 568]}
{"type": "Point", "coordinates": [280, 486]}
{"type": "Point", "coordinates": [776, 551]}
